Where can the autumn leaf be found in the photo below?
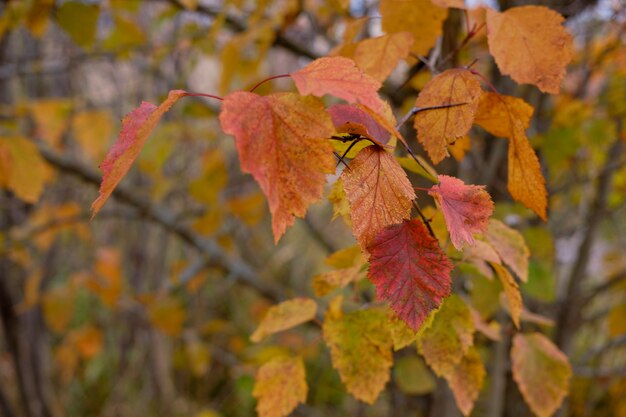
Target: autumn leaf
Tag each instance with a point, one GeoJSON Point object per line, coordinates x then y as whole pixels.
{"type": "Point", "coordinates": [466, 380]}
{"type": "Point", "coordinates": [379, 193]}
{"type": "Point", "coordinates": [340, 77]}
{"type": "Point", "coordinates": [419, 17]}
{"type": "Point", "coordinates": [352, 119]}
{"type": "Point", "coordinates": [530, 44]}
{"type": "Point", "coordinates": [360, 349]}
{"type": "Point", "coordinates": [284, 316]}
{"type": "Point", "coordinates": [378, 57]}
{"type": "Point", "coordinates": [280, 386]}
{"type": "Point", "coordinates": [495, 112]}
{"type": "Point", "coordinates": [444, 343]}
{"type": "Point", "coordinates": [51, 117]}
{"type": "Point", "coordinates": [509, 244]}
{"type": "Point", "coordinates": [466, 208]}
{"type": "Point", "coordinates": [412, 376]}
{"type": "Point", "coordinates": [22, 169]}
{"type": "Point", "coordinates": [409, 270]}
{"type": "Point", "coordinates": [401, 334]}
{"type": "Point", "coordinates": [281, 140]}
{"type": "Point", "coordinates": [511, 291]}
{"type": "Point", "coordinates": [437, 128]}
{"type": "Point", "coordinates": [136, 128]}
{"type": "Point", "coordinates": [542, 372]}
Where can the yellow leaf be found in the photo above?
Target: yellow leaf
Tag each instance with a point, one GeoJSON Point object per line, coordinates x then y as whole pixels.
{"type": "Point", "coordinates": [341, 206]}
{"type": "Point", "coordinates": [530, 44]}
{"type": "Point", "coordinates": [511, 290]}
{"type": "Point", "coordinates": [329, 281]}
{"type": "Point", "coordinates": [360, 349]}
{"type": "Point", "coordinates": [280, 386]}
{"type": "Point", "coordinates": [167, 314]}
{"type": "Point", "coordinates": [379, 56]}
{"type": "Point", "coordinates": [58, 307]}
{"type": "Point", "coordinates": [92, 130]}
{"type": "Point", "coordinates": [466, 380]}
{"type": "Point", "coordinates": [542, 372]}
{"type": "Point", "coordinates": [459, 148]}
{"type": "Point", "coordinates": [284, 316]}
{"type": "Point", "coordinates": [25, 171]}
{"type": "Point", "coordinates": [420, 17]}
{"type": "Point", "coordinates": [51, 117]}
{"type": "Point", "coordinates": [495, 112]}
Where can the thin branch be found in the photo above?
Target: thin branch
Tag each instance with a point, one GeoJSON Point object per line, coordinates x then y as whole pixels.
{"type": "Point", "coordinates": [599, 350]}
{"type": "Point", "coordinates": [208, 249]}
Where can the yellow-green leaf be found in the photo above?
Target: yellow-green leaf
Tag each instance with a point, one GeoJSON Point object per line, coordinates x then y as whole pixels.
{"type": "Point", "coordinates": [284, 316]}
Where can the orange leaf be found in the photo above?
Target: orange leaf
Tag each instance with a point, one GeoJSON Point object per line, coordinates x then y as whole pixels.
{"type": "Point", "coordinates": [510, 246]}
{"type": "Point", "coordinates": [379, 56]}
{"type": "Point", "coordinates": [466, 380]}
{"type": "Point", "coordinates": [379, 192]}
{"type": "Point", "coordinates": [437, 128]}
{"type": "Point", "coordinates": [352, 119]}
{"type": "Point", "coordinates": [340, 77]}
{"type": "Point", "coordinates": [23, 170]}
{"type": "Point", "coordinates": [281, 142]}
{"type": "Point", "coordinates": [530, 44]}
{"type": "Point", "coordinates": [136, 128]}
{"type": "Point", "coordinates": [284, 316]}
{"type": "Point", "coordinates": [420, 17]}
{"type": "Point", "coordinates": [495, 112]}
{"type": "Point", "coordinates": [409, 270]}
{"type": "Point", "coordinates": [511, 291]}
{"type": "Point", "coordinates": [542, 372]}
{"type": "Point", "coordinates": [466, 208]}
{"type": "Point", "coordinates": [280, 386]}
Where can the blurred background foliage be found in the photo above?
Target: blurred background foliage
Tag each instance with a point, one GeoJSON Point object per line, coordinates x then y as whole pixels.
{"type": "Point", "coordinates": [147, 310]}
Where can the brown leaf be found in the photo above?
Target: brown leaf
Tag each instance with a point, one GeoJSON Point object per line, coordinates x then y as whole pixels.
{"type": "Point", "coordinates": [379, 192]}
{"type": "Point", "coordinates": [530, 44]}
{"type": "Point", "coordinates": [437, 128]}
{"type": "Point", "coordinates": [281, 142]}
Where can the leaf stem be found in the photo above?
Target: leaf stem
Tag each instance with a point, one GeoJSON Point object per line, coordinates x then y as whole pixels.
{"type": "Point", "coordinates": [204, 95]}
{"type": "Point", "coordinates": [424, 219]}
{"type": "Point", "coordinates": [273, 77]}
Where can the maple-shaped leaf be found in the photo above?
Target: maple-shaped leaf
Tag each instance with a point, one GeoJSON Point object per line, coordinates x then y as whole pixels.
{"type": "Point", "coordinates": [136, 128]}
{"type": "Point", "coordinates": [511, 291]}
{"type": "Point", "coordinates": [437, 128]}
{"type": "Point", "coordinates": [352, 119]}
{"type": "Point", "coordinates": [284, 316]}
{"type": "Point", "coordinates": [466, 208]}
{"type": "Point", "coordinates": [466, 380]}
{"type": "Point", "coordinates": [379, 193]}
{"type": "Point", "coordinates": [495, 112]}
{"type": "Point", "coordinates": [509, 244]}
{"type": "Point", "coordinates": [530, 44]}
{"type": "Point", "coordinates": [421, 18]}
{"type": "Point", "coordinates": [450, 335]}
{"type": "Point", "coordinates": [360, 349]}
{"type": "Point", "coordinates": [409, 270]}
{"type": "Point", "coordinates": [280, 386]}
{"type": "Point", "coordinates": [542, 372]}
{"type": "Point", "coordinates": [340, 77]}
{"type": "Point", "coordinates": [281, 140]}
{"type": "Point", "coordinates": [379, 56]}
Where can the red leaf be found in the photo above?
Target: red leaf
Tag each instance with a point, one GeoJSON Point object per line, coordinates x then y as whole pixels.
{"type": "Point", "coordinates": [352, 119]}
{"type": "Point", "coordinates": [409, 270]}
{"type": "Point", "coordinates": [466, 208]}
{"type": "Point", "coordinates": [136, 128]}
{"type": "Point", "coordinates": [340, 77]}
{"type": "Point", "coordinates": [281, 140]}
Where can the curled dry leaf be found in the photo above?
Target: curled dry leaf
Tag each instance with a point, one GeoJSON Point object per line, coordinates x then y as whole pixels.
{"type": "Point", "coordinates": [136, 128]}
{"type": "Point", "coordinates": [542, 372]}
{"type": "Point", "coordinates": [360, 349]}
{"type": "Point", "coordinates": [379, 193]}
{"type": "Point", "coordinates": [280, 386]}
{"type": "Point", "coordinates": [437, 128]}
{"type": "Point", "coordinates": [284, 316]}
{"type": "Point", "coordinates": [466, 208]}
{"type": "Point", "coordinates": [530, 44]}
{"type": "Point", "coordinates": [281, 142]}
{"type": "Point", "coordinates": [338, 76]}
{"type": "Point", "coordinates": [409, 270]}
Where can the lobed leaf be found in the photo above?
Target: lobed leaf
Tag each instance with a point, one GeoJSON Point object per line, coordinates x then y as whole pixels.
{"type": "Point", "coordinates": [281, 142]}
{"type": "Point", "coordinates": [409, 270]}
{"type": "Point", "coordinates": [360, 349]}
{"type": "Point", "coordinates": [136, 128]}
{"type": "Point", "coordinates": [280, 386]}
{"type": "Point", "coordinates": [530, 44]}
{"type": "Point", "coordinates": [542, 372]}
{"type": "Point", "coordinates": [466, 208]}
{"type": "Point", "coordinates": [338, 76]}
{"type": "Point", "coordinates": [284, 316]}
{"type": "Point", "coordinates": [449, 337]}
{"type": "Point", "coordinates": [437, 128]}
{"type": "Point", "coordinates": [379, 193]}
